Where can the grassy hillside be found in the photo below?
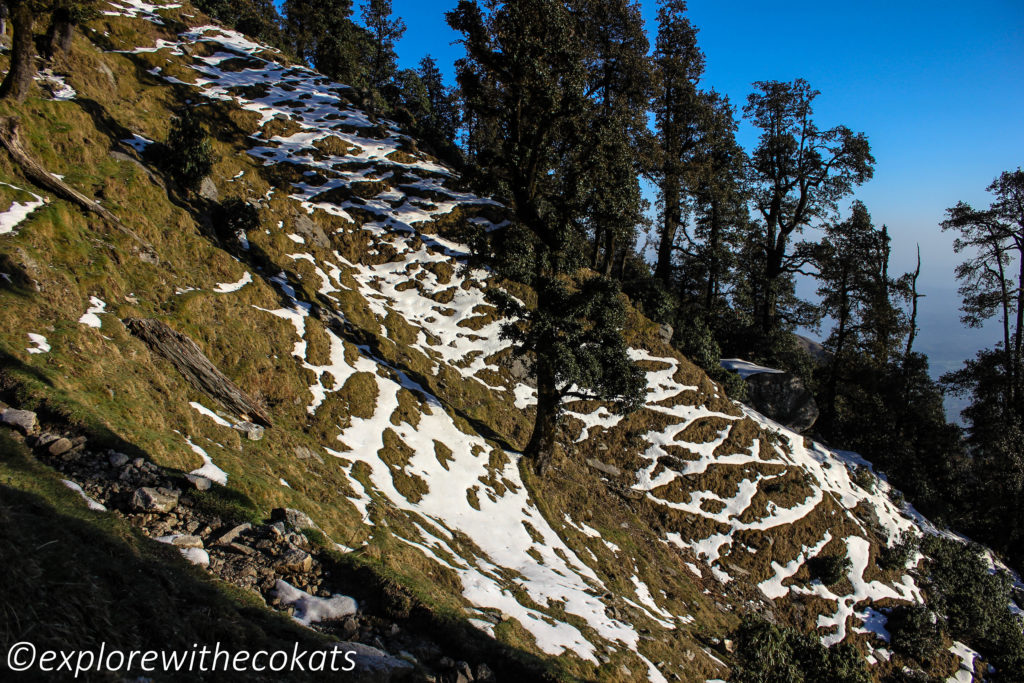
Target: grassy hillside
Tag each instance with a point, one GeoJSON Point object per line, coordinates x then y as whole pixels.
{"type": "Point", "coordinates": [353, 313]}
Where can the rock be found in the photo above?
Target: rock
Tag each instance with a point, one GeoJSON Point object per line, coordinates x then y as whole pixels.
{"type": "Point", "coordinates": [148, 499]}
{"type": "Point", "coordinates": [313, 233]}
{"type": "Point", "coordinates": [187, 542]}
{"type": "Point", "coordinates": [610, 470]}
{"type": "Point", "coordinates": [295, 561]}
{"type": "Point", "coordinates": [200, 482]}
{"type": "Point", "coordinates": [60, 447]}
{"type": "Point", "coordinates": [296, 519]}
{"type": "Point", "coordinates": [229, 537]}
{"type": "Point", "coordinates": [665, 333]}
{"type": "Point", "coordinates": [303, 453]}
{"type": "Point", "coordinates": [118, 459]}
{"type": "Point", "coordinates": [46, 439]}
{"type": "Point", "coordinates": [23, 420]}
{"type": "Point", "coordinates": [784, 398]}
{"type": "Point", "coordinates": [241, 549]}
{"type": "Point", "coordinates": [207, 190]}
{"type": "Point", "coordinates": [105, 70]}
{"type": "Point", "coordinates": [484, 674]}
{"type": "Point", "coordinates": [253, 432]}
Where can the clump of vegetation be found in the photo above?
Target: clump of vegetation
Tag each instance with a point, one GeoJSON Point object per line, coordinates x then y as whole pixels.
{"type": "Point", "coordinates": [829, 569]}
{"type": "Point", "coordinates": [974, 603]}
{"type": "Point", "coordinates": [189, 151]}
{"type": "Point", "coordinates": [899, 552]}
{"type": "Point", "coordinates": [766, 653]}
{"type": "Point", "coordinates": [232, 219]}
{"type": "Point", "coordinates": [864, 478]}
{"type": "Point", "coordinates": [916, 632]}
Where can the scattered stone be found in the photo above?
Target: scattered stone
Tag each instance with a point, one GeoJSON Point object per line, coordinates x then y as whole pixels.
{"type": "Point", "coordinates": [208, 190]}
{"type": "Point", "coordinates": [148, 499]}
{"type": "Point", "coordinates": [303, 453]}
{"type": "Point", "coordinates": [243, 549]}
{"type": "Point", "coordinates": [46, 439]}
{"type": "Point", "coordinates": [610, 470]}
{"type": "Point", "coordinates": [296, 561]}
{"type": "Point", "coordinates": [296, 519]}
{"type": "Point", "coordinates": [117, 459]}
{"type": "Point", "coordinates": [484, 674]}
{"type": "Point", "coordinates": [186, 541]}
{"type": "Point", "coordinates": [229, 537]}
{"type": "Point", "coordinates": [253, 432]}
{"type": "Point", "coordinates": [201, 483]}
{"type": "Point", "coordinates": [23, 420]}
{"type": "Point", "coordinates": [60, 447]}
{"type": "Point", "coordinates": [665, 333]}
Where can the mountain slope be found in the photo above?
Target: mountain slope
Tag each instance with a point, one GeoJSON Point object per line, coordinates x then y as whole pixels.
{"type": "Point", "coordinates": [353, 311]}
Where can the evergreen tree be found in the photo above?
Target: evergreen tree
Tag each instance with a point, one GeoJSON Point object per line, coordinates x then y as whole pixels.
{"type": "Point", "coordinates": [382, 62]}
{"type": "Point", "coordinates": [258, 19]}
{"type": "Point", "coordinates": [444, 108]}
{"type": "Point", "coordinates": [322, 33]}
{"type": "Point", "coordinates": [679, 65]}
{"type": "Point", "coordinates": [65, 15]}
{"type": "Point", "coordinates": [524, 79]}
{"type": "Point", "coordinates": [798, 173]}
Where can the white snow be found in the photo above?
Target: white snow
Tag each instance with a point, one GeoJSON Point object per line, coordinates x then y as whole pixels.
{"type": "Point", "coordinates": [210, 414]}
{"type": "Point", "coordinates": [226, 287]}
{"type": "Point", "coordinates": [41, 345]}
{"type": "Point", "coordinates": [310, 609]}
{"type": "Point", "coordinates": [18, 211]}
{"type": "Point", "coordinates": [967, 658]}
{"type": "Point", "coordinates": [208, 470]}
{"type": "Point", "coordinates": [93, 505]}
{"type": "Point", "coordinates": [91, 316]}
{"type": "Point", "coordinates": [137, 142]}
{"type": "Point", "coordinates": [745, 368]}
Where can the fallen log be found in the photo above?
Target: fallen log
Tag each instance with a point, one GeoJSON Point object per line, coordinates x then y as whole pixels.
{"type": "Point", "coordinates": [11, 140]}
{"type": "Point", "coordinates": [196, 368]}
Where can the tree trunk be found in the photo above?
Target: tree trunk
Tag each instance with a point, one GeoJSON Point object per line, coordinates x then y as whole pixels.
{"type": "Point", "coordinates": [58, 35]}
{"type": "Point", "coordinates": [672, 219]}
{"type": "Point", "coordinates": [609, 253]}
{"type": "Point", "coordinates": [913, 307]}
{"type": "Point", "coordinates": [23, 52]}
{"type": "Point", "coordinates": [542, 442]}
{"type": "Point", "coordinates": [714, 239]}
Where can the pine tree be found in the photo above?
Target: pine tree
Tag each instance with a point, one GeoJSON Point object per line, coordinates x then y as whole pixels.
{"type": "Point", "coordinates": [382, 62]}
{"type": "Point", "coordinates": [256, 18]}
{"type": "Point", "coordinates": [322, 33]}
{"type": "Point", "coordinates": [679, 66]}
{"type": "Point", "coordinates": [799, 173]}
{"type": "Point", "coordinates": [524, 80]}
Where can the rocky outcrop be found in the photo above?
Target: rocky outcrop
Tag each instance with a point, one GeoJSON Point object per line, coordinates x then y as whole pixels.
{"type": "Point", "coordinates": [784, 398]}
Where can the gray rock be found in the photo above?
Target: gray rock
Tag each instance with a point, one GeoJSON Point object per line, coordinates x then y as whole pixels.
{"type": "Point", "coordinates": [303, 453]}
{"type": "Point", "coordinates": [201, 483]}
{"type": "Point", "coordinates": [60, 447]}
{"type": "Point", "coordinates": [610, 470]}
{"type": "Point", "coordinates": [296, 519]}
{"type": "Point", "coordinates": [23, 420]}
{"type": "Point", "coordinates": [148, 499]}
{"type": "Point", "coordinates": [118, 459]}
{"type": "Point", "coordinates": [484, 674]}
{"type": "Point", "coordinates": [235, 532]}
{"type": "Point", "coordinates": [784, 398]}
{"type": "Point", "coordinates": [207, 190]}
{"type": "Point", "coordinates": [187, 542]}
{"type": "Point", "coordinates": [518, 369]}
{"type": "Point", "coordinates": [313, 233]}
{"type": "Point", "coordinates": [46, 439]}
{"type": "Point", "coordinates": [665, 333]}
{"type": "Point", "coordinates": [105, 70]}
{"type": "Point", "coordinates": [253, 432]}
{"type": "Point", "coordinates": [295, 560]}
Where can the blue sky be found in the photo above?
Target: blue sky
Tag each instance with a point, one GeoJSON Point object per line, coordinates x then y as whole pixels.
{"type": "Point", "coordinates": [938, 87]}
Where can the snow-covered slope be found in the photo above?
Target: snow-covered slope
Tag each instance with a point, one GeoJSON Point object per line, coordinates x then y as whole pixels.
{"type": "Point", "coordinates": [373, 291]}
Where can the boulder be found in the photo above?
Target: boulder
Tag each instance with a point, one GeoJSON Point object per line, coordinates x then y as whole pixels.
{"type": "Point", "coordinates": [200, 482]}
{"type": "Point", "coordinates": [208, 190]}
{"type": "Point", "coordinates": [253, 432]}
{"type": "Point", "coordinates": [296, 519]}
{"type": "Point", "coordinates": [784, 398]}
{"type": "Point", "coordinates": [118, 459]}
{"type": "Point", "coordinates": [295, 560]}
{"type": "Point", "coordinates": [23, 420]}
{"type": "Point", "coordinates": [665, 333]}
{"type": "Point", "coordinates": [148, 499]}
{"type": "Point", "coordinates": [60, 446]}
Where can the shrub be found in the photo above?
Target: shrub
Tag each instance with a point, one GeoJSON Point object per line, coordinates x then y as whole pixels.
{"type": "Point", "coordinates": [232, 219]}
{"type": "Point", "coordinates": [829, 569]}
{"type": "Point", "coordinates": [766, 653]}
{"type": "Point", "coordinates": [899, 551]}
{"type": "Point", "coordinates": [916, 632]}
{"type": "Point", "coordinates": [864, 478]}
{"type": "Point", "coordinates": [189, 152]}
